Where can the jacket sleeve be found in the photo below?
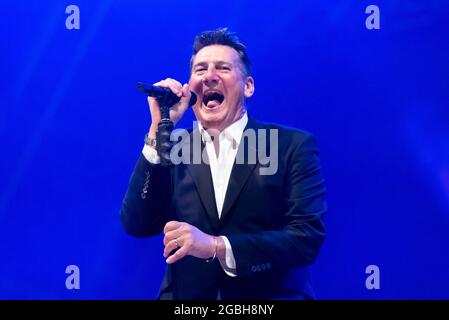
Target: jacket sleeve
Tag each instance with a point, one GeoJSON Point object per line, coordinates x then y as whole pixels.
{"type": "Point", "coordinates": [146, 205]}
{"type": "Point", "coordinates": [298, 242]}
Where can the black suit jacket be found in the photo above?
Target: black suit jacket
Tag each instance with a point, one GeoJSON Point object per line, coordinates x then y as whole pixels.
{"type": "Point", "coordinates": [274, 223]}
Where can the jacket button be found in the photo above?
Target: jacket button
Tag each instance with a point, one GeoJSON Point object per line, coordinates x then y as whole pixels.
{"type": "Point", "coordinates": [143, 195]}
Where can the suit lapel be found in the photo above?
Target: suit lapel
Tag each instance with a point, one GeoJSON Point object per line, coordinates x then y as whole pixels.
{"type": "Point", "coordinates": [202, 178]}
{"type": "Point", "coordinates": [240, 172]}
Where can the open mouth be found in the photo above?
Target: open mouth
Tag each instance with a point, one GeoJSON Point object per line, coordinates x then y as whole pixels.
{"type": "Point", "coordinates": [212, 99]}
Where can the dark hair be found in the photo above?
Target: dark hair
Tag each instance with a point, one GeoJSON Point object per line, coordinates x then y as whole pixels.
{"type": "Point", "coordinates": [224, 37]}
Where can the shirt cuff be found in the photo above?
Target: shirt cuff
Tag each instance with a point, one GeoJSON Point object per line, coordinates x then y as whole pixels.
{"type": "Point", "coordinates": [151, 155]}
{"type": "Point", "coordinates": [229, 258]}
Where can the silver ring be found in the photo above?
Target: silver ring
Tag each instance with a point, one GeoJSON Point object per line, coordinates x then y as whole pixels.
{"type": "Point", "coordinates": [177, 243]}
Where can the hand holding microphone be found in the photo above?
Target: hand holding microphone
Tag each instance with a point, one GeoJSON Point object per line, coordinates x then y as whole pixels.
{"type": "Point", "coordinates": [161, 92]}
{"type": "Point", "coordinates": [175, 94]}
{"type": "Point", "coordinates": [168, 100]}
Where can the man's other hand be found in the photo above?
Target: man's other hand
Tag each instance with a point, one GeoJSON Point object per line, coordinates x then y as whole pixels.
{"type": "Point", "coordinates": [188, 240]}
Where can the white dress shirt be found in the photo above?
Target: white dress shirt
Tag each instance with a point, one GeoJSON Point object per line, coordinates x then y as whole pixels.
{"type": "Point", "coordinates": [220, 167]}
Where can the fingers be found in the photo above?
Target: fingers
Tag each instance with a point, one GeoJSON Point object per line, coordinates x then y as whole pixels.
{"type": "Point", "coordinates": [176, 111]}
{"type": "Point", "coordinates": [187, 239]}
{"type": "Point", "coordinates": [175, 238]}
{"type": "Point", "coordinates": [172, 225]}
{"type": "Point", "coordinates": [175, 86]}
{"type": "Point", "coordinates": [172, 245]}
{"type": "Point", "coordinates": [185, 98]}
{"type": "Point", "coordinates": [171, 235]}
{"type": "Point", "coordinates": [186, 92]}
{"type": "Point", "coordinates": [181, 253]}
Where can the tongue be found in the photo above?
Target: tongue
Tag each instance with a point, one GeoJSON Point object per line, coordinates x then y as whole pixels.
{"type": "Point", "coordinates": [213, 103]}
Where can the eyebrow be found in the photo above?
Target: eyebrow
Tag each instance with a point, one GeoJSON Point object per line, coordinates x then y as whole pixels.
{"type": "Point", "coordinates": [219, 62]}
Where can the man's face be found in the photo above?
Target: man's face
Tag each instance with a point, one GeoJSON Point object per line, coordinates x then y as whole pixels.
{"type": "Point", "coordinates": [217, 79]}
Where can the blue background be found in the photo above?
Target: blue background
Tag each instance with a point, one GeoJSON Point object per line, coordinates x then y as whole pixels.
{"type": "Point", "coordinates": [72, 126]}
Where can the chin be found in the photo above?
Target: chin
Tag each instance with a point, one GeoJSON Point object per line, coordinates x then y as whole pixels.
{"type": "Point", "coordinates": [211, 122]}
{"type": "Point", "coordinates": [211, 116]}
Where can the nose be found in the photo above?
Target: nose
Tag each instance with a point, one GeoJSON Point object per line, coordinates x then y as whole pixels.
{"type": "Point", "coordinates": [211, 77]}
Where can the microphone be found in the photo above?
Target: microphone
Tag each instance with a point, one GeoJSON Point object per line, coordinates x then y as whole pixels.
{"type": "Point", "coordinates": [163, 93]}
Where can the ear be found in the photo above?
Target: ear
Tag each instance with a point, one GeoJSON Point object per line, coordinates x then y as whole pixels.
{"type": "Point", "coordinates": [249, 87]}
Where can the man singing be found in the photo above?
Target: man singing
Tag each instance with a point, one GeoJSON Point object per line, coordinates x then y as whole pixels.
{"type": "Point", "coordinates": [231, 229]}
